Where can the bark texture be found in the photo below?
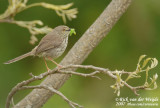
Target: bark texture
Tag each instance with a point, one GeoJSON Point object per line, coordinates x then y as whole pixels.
{"type": "Point", "coordinates": [79, 52]}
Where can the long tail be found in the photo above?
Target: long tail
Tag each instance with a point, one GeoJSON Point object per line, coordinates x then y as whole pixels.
{"type": "Point", "coordinates": [19, 58]}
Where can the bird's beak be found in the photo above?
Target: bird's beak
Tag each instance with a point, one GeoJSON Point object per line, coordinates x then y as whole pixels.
{"type": "Point", "coordinates": [69, 29]}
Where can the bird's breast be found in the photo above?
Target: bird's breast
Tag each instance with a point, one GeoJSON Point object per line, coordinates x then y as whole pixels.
{"type": "Point", "coordinates": [56, 51]}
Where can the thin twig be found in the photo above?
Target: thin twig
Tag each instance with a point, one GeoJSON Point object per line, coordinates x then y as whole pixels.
{"type": "Point", "coordinates": [72, 104]}
{"type": "Point", "coordinates": [12, 101]}
{"type": "Point", "coordinates": [81, 74]}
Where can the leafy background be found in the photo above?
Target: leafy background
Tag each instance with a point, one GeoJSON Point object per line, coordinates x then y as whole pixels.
{"type": "Point", "coordinates": [135, 34]}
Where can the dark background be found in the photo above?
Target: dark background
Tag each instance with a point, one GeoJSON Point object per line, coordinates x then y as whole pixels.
{"type": "Point", "coordinates": [135, 34]}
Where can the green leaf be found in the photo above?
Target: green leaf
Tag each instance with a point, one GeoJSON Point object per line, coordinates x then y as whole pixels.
{"type": "Point", "coordinates": [155, 85]}
{"type": "Point", "coordinates": [113, 86]}
{"type": "Point", "coordinates": [145, 62]}
{"type": "Point", "coordinates": [154, 62]}
{"type": "Point", "coordinates": [140, 58]}
{"type": "Point", "coordinates": [118, 92]}
{"type": "Point", "coordinates": [156, 76]}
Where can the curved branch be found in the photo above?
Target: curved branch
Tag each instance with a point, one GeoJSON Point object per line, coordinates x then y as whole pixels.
{"type": "Point", "coordinates": [90, 39]}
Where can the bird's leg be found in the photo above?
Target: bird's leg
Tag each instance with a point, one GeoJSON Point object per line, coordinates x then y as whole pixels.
{"type": "Point", "coordinates": [46, 64]}
{"type": "Point", "coordinates": [58, 65]}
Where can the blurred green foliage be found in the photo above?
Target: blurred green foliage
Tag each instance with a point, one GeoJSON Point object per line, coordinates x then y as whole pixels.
{"type": "Point", "coordinates": [135, 34]}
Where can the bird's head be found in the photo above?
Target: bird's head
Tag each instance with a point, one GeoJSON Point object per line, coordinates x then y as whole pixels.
{"type": "Point", "coordinates": [65, 30]}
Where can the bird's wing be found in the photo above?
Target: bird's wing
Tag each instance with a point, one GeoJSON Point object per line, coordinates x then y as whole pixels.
{"type": "Point", "coordinates": [51, 40]}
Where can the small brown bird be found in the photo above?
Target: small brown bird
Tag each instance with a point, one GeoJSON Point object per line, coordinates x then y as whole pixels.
{"type": "Point", "coordinates": [50, 47]}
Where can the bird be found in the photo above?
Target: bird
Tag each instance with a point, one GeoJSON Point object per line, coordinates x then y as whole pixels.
{"type": "Point", "coordinates": [51, 46]}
